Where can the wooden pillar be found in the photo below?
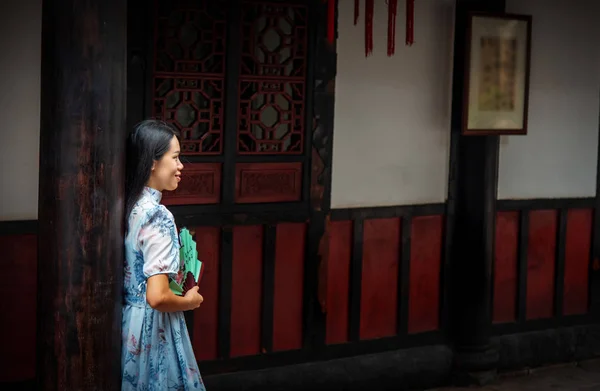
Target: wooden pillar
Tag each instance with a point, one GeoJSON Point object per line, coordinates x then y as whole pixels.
{"type": "Point", "coordinates": [321, 108]}
{"type": "Point", "coordinates": [81, 194]}
{"type": "Point", "coordinates": [595, 263]}
{"type": "Point", "coordinates": [472, 200]}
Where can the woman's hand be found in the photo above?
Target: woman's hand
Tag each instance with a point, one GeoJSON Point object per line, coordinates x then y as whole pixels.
{"type": "Point", "coordinates": [194, 298]}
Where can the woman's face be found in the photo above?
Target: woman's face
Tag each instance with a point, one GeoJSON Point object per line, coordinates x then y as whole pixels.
{"type": "Point", "coordinates": [166, 172]}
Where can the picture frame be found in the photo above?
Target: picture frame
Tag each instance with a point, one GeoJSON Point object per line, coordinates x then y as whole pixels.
{"type": "Point", "coordinates": [497, 69]}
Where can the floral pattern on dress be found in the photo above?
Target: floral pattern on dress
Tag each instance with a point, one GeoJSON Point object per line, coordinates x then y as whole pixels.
{"type": "Point", "coordinates": [156, 350]}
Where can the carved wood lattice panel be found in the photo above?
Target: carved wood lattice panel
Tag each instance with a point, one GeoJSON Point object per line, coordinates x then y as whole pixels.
{"type": "Point", "coordinates": [272, 78]}
{"type": "Point", "coordinates": [189, 72]}
{"type": "Point", "coordinates": [189, 89]}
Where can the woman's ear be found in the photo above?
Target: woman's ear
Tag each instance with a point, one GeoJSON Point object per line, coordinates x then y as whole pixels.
{"type": "Point", "coordinates": [153, 165]}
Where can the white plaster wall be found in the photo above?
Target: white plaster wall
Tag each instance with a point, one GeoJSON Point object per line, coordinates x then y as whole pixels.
{"type": "Point", "coordinates": [20, 61]}
{"type": "Point", "coordinates": [558, 156]}
{"type": "Point", "coordinates": [392, 115]}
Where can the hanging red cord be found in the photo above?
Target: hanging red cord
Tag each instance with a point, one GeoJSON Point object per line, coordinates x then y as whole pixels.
{"type": "Point", "coordinates": [392, 12]}
{"type": "Point", "coordinates": [410, 20]}
{"type": "Point", "coordinates": [356, 11]}
{"type": "Point", "coordinates": [369, 9]}
{"type": "Point", "coordinates": [331, 22]}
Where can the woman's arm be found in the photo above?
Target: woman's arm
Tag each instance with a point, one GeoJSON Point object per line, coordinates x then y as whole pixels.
{"type": "Point", "coordinates": [160, 297]}
{"type": "Point", "coordinates": [158, 244]}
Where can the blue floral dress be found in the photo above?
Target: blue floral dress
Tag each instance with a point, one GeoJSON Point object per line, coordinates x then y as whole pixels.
{"type": "Point", "coordinates": [157, 353]}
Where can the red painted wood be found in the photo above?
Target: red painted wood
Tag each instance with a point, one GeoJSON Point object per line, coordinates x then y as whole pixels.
{"type": "Point", "coordinates": [206, 317]}
{"type": "Point", "coordinates": [577, 259]}
{"type": "Point", "coordinates": [425, 264]}
{"type": "Point", "coordinates": [18, 270]}
{"type": "Point", "coordinates": [379, 283]}
{"type": "Point", "coordinates": [289, 279]}
{"type": "Point", "coordinates": [505, 267]}
{"type": "Point", "coordinates": [200, 184]}
{"type": "Point", "coordinates": [246, 290]}
{"type": "Point", "coordinates": [338, 280]}
{"type": "Point", "coordinates": [268, 182]}
{"type": "Point", "coordinates": [541, 257]}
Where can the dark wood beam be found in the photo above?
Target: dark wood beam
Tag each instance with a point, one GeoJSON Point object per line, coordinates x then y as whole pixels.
{"type": "Point", "coordinates": [320, 103]}
{"type": "Point", "coordinates": [81, 193]}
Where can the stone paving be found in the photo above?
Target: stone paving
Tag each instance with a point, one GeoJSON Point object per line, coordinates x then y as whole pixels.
{"type": "Point", "coordinates": [584, 376]}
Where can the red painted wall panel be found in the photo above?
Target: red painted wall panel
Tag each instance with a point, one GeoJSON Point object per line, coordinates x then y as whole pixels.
{"type": "Point", "coordinates": [425, 264]}
{"type": "Point", "coordinates": [541, 258]}
{"type": "Point", "coordinates": [206, 317]}
{"type": "Point", "coordinates": [289, 279]}
{"type": "Point", "coordinates": [379, 287]}
{"type": "Point", "coordinates": [505, 267]}
{"type": "Point", "coordinates": [18, 269]}
{"type": "Point", "coordinates": [246, 290]}
{"type": "Point", "coordinates": [577, 258]}
{"type": "Point", "coordinates": [338, 278]}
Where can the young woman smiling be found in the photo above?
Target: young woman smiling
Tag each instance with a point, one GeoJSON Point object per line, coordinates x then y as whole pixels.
{"type": "Point", "coordinates": [157, 353]}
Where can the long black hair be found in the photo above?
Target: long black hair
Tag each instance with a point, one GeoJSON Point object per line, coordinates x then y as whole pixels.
{"type": "Point", "coordinates": [148, 142]}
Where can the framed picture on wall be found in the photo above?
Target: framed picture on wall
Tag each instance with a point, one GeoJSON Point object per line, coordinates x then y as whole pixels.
{"type": "Point", "coordinates": [498, 55]}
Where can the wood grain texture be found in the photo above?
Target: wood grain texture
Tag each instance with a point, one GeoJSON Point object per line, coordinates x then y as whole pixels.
{"type": "Point", "coordinates": [81, 187]}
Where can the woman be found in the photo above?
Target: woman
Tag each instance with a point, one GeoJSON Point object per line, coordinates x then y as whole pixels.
{"type": "Point", "coordinates": [157, 352]}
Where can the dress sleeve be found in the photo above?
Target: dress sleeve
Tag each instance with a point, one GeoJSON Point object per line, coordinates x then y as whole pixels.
{"type": "Point", "coordinates": [159, 243]}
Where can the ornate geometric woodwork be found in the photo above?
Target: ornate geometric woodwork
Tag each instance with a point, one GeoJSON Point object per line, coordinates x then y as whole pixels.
{"type": "Point", "coordinates": [271, 117]}
{"type": "Point", "coordinates": [272, 78]}
{"type": "Point", "coordinates": [268, 182]}
{"type": "Point", "coordinates": [189, 72]}
{"type": "Point", "coordinates": [194, 65]}
{"type": "Point", "coordinates": [195, 107]}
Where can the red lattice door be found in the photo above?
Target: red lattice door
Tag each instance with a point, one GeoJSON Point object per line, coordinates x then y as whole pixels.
{"type": "Point", "coordinates": [232, 77]}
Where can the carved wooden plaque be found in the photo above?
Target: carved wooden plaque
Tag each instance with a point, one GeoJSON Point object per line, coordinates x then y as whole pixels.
{"type": "Point", "coordinates": [268, 182]}
{"type": "Point", "coordinates": [200, 184]}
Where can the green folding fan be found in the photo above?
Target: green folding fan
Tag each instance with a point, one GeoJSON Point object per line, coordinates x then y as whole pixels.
{"type": "Point", "coordinates": [192, 267]}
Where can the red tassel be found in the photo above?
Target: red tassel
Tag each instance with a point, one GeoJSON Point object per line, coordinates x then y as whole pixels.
{"type": "Point", "coordinates": [410, 21]}
{"type": "Point", "coordinates": [369, 9]}
{"type": "Point", "coordinates": [392, 11]}
{"type": "Point", "coordinates": [356, 11]}
{"type": "Point", "coordinates": [331, 22]}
